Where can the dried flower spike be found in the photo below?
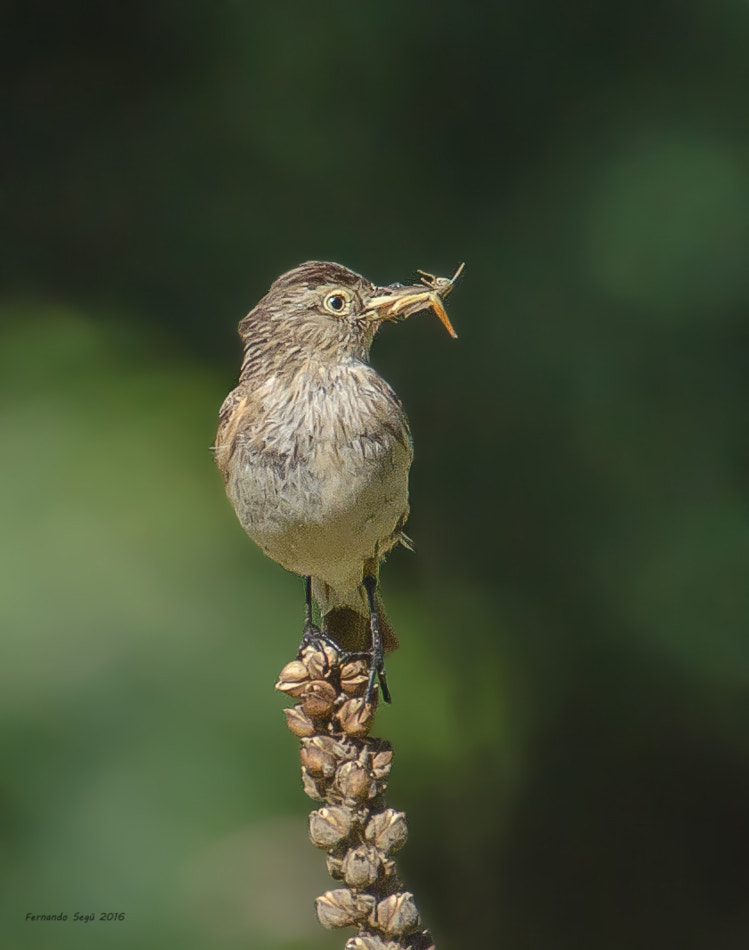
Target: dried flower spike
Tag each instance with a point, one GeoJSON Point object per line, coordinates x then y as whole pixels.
{"type": "Point", "coordinates": [347, 771]}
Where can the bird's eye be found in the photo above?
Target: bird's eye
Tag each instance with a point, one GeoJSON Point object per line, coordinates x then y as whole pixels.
{"type": "Point", "coordinates": [336, 302]}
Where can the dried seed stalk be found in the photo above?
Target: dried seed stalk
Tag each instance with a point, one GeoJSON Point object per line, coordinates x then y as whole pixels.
{"type": "Point", "coordinates": [346, 770]}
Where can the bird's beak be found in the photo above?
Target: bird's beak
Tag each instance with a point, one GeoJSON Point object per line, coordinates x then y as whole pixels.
{"type": "Point", "coordinates": [399, 301]}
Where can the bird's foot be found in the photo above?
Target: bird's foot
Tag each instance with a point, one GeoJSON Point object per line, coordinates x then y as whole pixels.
{"type": "Point", "coordinates": [313, 636]}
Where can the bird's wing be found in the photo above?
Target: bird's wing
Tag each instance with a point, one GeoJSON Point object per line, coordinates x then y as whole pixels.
{"type": "Point", "coordinates": [232, 414]}
{"type": "Point", "coordinates": [396, 420]}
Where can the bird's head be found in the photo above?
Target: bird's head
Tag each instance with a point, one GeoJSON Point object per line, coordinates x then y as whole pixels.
{"type": "Point", "coordinates": [328, 312]}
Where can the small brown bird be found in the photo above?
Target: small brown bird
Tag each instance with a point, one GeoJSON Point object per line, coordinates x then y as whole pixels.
{"type": "Point", "coordinates": [315, 447]}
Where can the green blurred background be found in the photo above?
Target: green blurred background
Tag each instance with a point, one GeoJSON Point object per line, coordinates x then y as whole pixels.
{"type": "Point", "coordinates": [571, 696]}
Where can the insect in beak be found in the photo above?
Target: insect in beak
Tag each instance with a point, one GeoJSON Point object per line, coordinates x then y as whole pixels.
{"type": "Point", "coordinates": [399, 301]}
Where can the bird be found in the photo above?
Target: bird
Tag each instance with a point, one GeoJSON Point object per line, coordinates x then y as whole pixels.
{"type": "Point", "coordinates": [315, 447]}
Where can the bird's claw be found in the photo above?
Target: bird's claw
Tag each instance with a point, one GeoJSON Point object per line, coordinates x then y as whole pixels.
{"type": "Point", "coordinates": [313, 636]}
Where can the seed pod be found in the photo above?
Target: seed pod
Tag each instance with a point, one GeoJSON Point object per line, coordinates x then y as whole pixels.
{"type": "Point", "coordinates": [292, 678]}
{"type": "Point", "coordinates": [316, 760]}
{"type": "Point", "coordinates": [421, 941]}
{"type": "Point", "coordinates": [387, 830]}
{"type": "Point", "coordinates": [318, 698]}
{"type": "Point", "coordinates": [299, 722]}
{"type": "Point", "coordinates": [316, 788]}
{"type": "Point", "coordinates": [337, 748]}
{"type": "Point", "coordinates": [367, 941]}
{"type": "Point", "coordinates": [355, 782]}
{"type": "Point", "coordinates": [389, 872]}
{"type": "Point", "coordinates": [329, 826]}
{"type": "Point", "coordinates": [342, 908]}
{"type": "Point", "coordinates": [334, 864]}
{"type": "Point", "coordinates": [320, 660]}
{"type": "Point", "coordinates": [382, 760]}
{"type": "Point", "coordinates": [354, 677]}
{"type": "Point", "coordinates": [397, 914]}
{"type": "Point", "coordinates": [356, 716]}
{"type": "Point", "coordinates": [346, 749]}
{"type": "Point", "coordinates": [361, 866]}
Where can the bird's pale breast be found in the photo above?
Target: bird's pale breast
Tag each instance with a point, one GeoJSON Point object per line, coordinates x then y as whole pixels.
{"type": "Point", "coordinates": [319, 472]}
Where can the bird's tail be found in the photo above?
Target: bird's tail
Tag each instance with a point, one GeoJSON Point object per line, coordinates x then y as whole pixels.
{"type": "Point", "coordinates": [351, 630]}
{"type": "Point", "coordinates": [349, 626]}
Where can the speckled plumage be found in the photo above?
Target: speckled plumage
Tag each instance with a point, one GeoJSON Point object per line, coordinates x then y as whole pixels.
{"type": "Point", "coordinates": [313, 444]}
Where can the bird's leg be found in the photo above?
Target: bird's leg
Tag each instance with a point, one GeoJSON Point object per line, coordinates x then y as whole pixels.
{"type": "Point", "coordinates": [377, 665]}
{"type": "Point", "coordinates": [312, 635]}
{"type": "Point", "coordinates": [310, 630]}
